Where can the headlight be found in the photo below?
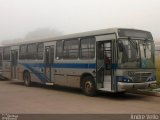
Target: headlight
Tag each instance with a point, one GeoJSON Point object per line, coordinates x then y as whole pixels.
{"type": "Point", "coordinates": [152, 78]}
{"type": "Point", "coordinates": [123, 79]}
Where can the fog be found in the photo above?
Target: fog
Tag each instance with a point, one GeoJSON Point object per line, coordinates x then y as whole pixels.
{"type": "Point", "coordinates": [23, 19]}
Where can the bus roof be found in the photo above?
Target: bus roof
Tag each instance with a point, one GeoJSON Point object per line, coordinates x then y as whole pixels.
{"type": "Point", "coordinates": [70, 36]}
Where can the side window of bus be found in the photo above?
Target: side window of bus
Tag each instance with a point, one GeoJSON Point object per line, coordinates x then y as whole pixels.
{"type": "Point", "coordinates": [32, 51]}
{"type": "Point", "coordinates": [59, 50]}
{"type": "Point", "coordinates": [40, 50]}
{"type": "Point", "coordinates": [6, 53]}
{"type": "Point", "coordinates": [87, 49]}
{"type": "Point", "coordinates": [71, 49]}
{"type": "Point", "coordinates": [23, 52]}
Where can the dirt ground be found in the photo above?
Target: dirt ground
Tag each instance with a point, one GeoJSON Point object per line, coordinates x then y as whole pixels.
{"type": "Point", "coordinates": [39, 99]}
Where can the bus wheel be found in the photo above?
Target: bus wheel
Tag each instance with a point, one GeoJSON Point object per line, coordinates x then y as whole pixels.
{"type": "Point", "coordinates": [88, 86]}
{"type": "Point", "coordinates": [27, 79]}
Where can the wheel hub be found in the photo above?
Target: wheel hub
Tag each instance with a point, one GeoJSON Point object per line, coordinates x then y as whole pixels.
{"type": "Point", "coordinates": [88, 85]}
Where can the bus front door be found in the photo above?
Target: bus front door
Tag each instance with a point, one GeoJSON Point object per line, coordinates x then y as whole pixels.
{"type": "Point", "coordinates": [104, 61]}
{"type": "Point", "coordinates": [14, 56]}
{"type": "Point", "coordinates": [49, 60]}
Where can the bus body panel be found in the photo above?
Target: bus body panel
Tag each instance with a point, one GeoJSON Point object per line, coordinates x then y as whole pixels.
{"type": "Point", "coordinates": [6, 69]}
{"type": "Point", "coordinates": [68, 72]}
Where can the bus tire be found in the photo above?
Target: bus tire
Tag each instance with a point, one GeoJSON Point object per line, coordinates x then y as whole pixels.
{"type": "Point", "coordinates": [27, 79]}
{"type": "Point", "coordinates": [89, 86]}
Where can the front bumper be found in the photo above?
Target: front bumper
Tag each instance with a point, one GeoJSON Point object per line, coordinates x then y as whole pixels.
{"type": "Point", "coordinates": [130, 86]}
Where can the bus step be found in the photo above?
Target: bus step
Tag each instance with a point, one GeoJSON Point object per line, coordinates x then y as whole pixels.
{"type": "Point", "coordinates": [49, 83]}
{"type": "Point", "coordinates": [104, 89]}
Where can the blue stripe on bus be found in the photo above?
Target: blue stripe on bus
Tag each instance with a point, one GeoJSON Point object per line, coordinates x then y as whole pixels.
{"type": "Point", "coordinates": [41, 76]}
{"type": "Point", "coordinates": [75, 65]}
{"type": "Point", "coordinates": [64, 65]}
{"type": "Point", "coordinates": [44, 78]}
{"type": "Point", "coordinates": [114, 66]}
{"type": "Point", "coordinates": [68, 65]}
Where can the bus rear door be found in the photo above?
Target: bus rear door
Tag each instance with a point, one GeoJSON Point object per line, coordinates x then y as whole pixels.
{"type": "Point", "coordinates": [49, 60]}
{"type": "Point", "coordinates": [14, 58]}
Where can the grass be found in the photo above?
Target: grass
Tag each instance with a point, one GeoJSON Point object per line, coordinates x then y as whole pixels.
{"type": "Point", "coordinates": [158, 69]}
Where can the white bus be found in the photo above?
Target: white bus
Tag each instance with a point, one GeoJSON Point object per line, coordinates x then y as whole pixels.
{"type": "Point", "coordinates": [113, 60]}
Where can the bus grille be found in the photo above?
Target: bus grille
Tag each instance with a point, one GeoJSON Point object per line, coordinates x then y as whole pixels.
{"type": "Point", "coordinates": [139, 77]}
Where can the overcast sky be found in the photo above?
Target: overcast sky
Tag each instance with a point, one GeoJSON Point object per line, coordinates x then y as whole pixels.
{"type": "Point", "coordinates": [18, 17]}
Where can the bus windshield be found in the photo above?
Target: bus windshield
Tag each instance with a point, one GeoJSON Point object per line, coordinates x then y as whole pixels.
{"type": "Point", "coordinates": [135, 53]}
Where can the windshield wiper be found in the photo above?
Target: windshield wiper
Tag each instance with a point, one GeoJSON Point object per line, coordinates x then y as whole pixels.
{"type": "Point", "coordinates": [134, 44]}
